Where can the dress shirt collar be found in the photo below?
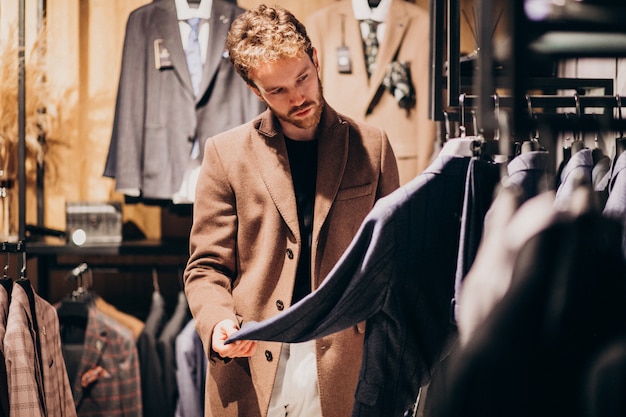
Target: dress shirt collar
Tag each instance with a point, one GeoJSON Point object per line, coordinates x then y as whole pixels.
{"type": "Point", "coordinates": [362, 10]}
{"type": "Point", "coordinates": [184, 11]}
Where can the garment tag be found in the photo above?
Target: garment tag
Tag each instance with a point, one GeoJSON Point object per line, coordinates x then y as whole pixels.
{"type": "Point", "coordinates": [162, 59]}
{"type": "Point", "coordinates": [344, 63]}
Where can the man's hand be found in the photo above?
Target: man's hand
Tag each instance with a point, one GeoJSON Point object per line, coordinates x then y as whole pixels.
{"type": "Point", "coordinates": [238, 349]}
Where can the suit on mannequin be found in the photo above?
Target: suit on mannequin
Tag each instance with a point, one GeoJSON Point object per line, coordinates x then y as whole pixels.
{"type": "Point", "coordinates": [157, 116]}
{"type": "Point", "coordinates": [404, 38]}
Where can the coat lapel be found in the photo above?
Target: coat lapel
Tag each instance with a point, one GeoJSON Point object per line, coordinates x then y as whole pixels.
{"type": "Point", "coordinates": [219, 23]}
{"type": "Point", "coordinates": [270, 157]}
{"type": "Point", "coordinates": [166, 26]}
{"type": "Point", "coordinates": [333, 153]}
{"type": "Point", "coordinates": [272, 161]}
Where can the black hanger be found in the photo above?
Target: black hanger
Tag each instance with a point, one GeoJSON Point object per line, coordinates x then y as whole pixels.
{"type": "Point", "coordinates": [6, 281]}
{"type": "Point", "coordinates": [155, 280]}
{"type": "Point", "coordinates": [597, 154]}
{"type": "Point", "coordinates": [73, 312]}
{"type": "Point", "coordinates": [620, 142]}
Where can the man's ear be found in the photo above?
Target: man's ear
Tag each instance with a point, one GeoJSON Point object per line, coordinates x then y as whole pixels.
{"type": "Point", "coordinates": [255, 91]}
{"type": "Point", "coordinates": [315, 60]}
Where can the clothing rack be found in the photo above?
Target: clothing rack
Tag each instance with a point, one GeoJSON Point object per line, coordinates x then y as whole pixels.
{"type": "Point", "coordinates": [551, 109]}
{"type": "Point", "coordinates": [21, 132]}
{"type": "Point", "coordinates": [528, 40]}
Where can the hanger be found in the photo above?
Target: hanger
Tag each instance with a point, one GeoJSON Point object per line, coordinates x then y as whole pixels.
{"type": "Point", "coordinates": [461, 145]}
{"type": "Point", "coordinates": [6, 281]}
{"type": "Point", "coordinates": [155, 280]}
{"type": "Point", "coordinates": [532, 143]}
{"type": "Point", "coordinates": [620, 142]}
{"type": "Point", "coordinates": [73, 312]}
{"type": "Point", "coordinates": [489, 148]}
{"type": "Point", "coordinates": [578, 143]}
{"type": "Point", "coordinates": [597, 153]}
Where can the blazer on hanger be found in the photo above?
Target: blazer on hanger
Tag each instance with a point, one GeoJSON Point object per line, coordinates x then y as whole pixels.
{"type": "Point", "coordinates": [411, 133]}
{"type": "Point", "coordinates": [157, 117]}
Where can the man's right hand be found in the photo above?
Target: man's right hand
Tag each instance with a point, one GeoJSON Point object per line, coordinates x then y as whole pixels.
{"type": "Point", "coordinates": [238, 349]}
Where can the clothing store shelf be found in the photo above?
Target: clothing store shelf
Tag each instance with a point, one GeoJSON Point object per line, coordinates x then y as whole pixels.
{"type": "Point", "coordinates": [133, 256]}
{"type": "Point", "coordinates": [131, 247]}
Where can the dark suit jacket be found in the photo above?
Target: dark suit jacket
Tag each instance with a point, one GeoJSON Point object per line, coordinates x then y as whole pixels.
{"type": "Point", "coordinates": [166, 345]}
{"type": "Point", "coordinates": [398, 273]}
{"type": "Point", "coordinates": [533, 355]}
{"type": "Point", "coordinates": [616, 203]}
{"type": "Point", "coordinates": [191, 365]}
{"type": "Point", "coordinates": [151, 371]}
{"type": "Point", "coordinates": [157, 116]}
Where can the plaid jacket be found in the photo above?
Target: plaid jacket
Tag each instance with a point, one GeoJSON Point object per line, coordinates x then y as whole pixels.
{"type": "Point", "coordinates": [108, 381]}
{"type": "Point", "coordinates": [4, 385]}
{"type": "Point", "coordinates": [38, 386]}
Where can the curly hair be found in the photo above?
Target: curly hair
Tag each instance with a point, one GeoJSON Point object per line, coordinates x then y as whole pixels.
{"type": "Point", "coordinates": [265, 34]}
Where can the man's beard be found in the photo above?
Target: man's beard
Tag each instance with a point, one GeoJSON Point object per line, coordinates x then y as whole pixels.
{"type": "Point", "coordinates": [311, 120]}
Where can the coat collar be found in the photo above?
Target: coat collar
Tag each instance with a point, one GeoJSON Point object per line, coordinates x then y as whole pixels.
{"type": "Point", "coordinates": [272, 161]}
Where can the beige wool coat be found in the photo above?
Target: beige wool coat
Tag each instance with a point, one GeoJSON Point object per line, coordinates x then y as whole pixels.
{"type": "Point", "coordinates": [407, 39]}
{"type": "Point", "coordinates": [245, 243]}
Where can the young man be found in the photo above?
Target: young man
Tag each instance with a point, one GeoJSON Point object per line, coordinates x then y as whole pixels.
{"type": "Point", "coordinates": [278, 201]}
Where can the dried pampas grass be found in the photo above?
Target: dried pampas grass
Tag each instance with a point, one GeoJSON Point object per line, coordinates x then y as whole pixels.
{"type": "Point", "coordinates": [37, 102]}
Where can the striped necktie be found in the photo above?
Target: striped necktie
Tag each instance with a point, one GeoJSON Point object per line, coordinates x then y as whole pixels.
{"type": "Point", "coordinates": [371, 46]}
{"type": "Point", "coordinates": [194, 58]}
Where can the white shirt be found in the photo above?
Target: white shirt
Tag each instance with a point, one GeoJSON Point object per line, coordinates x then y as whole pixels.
{"type": "Point", "coordinates": [362, 12]}
{"type": "Point", "coordinates": [203, 11]}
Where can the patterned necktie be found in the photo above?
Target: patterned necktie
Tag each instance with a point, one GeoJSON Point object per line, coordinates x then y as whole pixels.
{"type": "Point", "coordinates": [194, 58]}
{"type": "Point", "coordinates": [371, 46]}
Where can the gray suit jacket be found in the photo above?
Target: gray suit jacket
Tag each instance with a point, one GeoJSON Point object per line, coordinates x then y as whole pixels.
{"type": "Point", "coordinates": [398, 273]}
{"type": "Point", "coordinates": [157, 116]}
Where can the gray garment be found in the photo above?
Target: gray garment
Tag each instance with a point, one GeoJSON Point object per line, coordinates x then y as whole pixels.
{"type": "Point", "coordinates": [157, 117]}
{"type": "Point", "coordinates": [577, 171]}
{"type": "Point", "coordinates": [529, 171]}
{"type": "Point", "coordinates": [191, 365]}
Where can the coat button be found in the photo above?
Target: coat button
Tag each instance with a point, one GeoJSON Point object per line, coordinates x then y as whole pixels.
{"type": "Point", "coordinates": [268, 356]}
{"type": "Point", "coordinates": [289, 253]}
{"type": "Point", "coordinates": [280, 305]}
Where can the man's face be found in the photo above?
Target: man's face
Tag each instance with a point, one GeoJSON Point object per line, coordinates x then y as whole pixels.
{"type": "Point", "coordinates": [292, 90]}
